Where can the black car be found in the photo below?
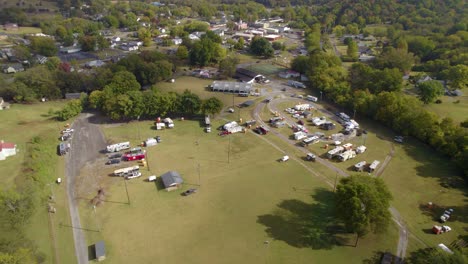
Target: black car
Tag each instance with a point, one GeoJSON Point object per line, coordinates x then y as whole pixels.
{"type": "Point", "coordinates": [113, 161]}
{"type": "Point", "coordinates": [189, 192]}
{"type": "Point", "coordinates": [115, 156]}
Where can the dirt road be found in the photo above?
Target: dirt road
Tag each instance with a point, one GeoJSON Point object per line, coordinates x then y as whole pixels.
{"type": "Point", "coordinates": [86, 143]}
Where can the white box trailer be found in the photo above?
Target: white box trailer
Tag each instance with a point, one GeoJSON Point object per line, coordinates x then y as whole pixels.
{"type": "Point", "coordinates": [123, 171]}
{"type": "Point", "coordinates": [374, 165]}
{"type": "Point", "coordinates": [169, 123]}
{"type": "Point", "coordinates": [118, 147]}
{"type": "Point", "coordinates": [360, 166]}
{"type": "Point", "coordinates": [310, 140]}
{"type": "Point", "coordinates": [361, 149]}
{"type": "Point", "coordinates": [151, 142]}
{"type": "Point", "coordinates": [160, 126]}
{"type": "Point", "coordinates": [230, 125]}
{"type": "Point", "coordinates": [235, 129]}
{"type": "Point", "coordinates": [300, 135]}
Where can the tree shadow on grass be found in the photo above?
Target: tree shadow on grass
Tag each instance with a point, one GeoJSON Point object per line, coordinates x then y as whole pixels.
{"type": "Point", "coordinates": [301, 224]}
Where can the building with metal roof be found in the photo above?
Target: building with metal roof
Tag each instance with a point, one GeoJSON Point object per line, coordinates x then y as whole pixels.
{"type": "Point", "coordinates": [171, 180]}
{"type": "Point", "coordinates": [231, 87]}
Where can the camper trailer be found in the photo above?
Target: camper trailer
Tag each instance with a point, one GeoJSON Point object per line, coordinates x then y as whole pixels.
{"type": "Point", "coordinates": [349, 154]}
{"type": "Point", "coordinates": [118, 147]}
{"type": "Point", "coordinates": [374, 165]}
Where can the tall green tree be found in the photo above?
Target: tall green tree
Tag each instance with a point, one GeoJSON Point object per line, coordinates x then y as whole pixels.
{"type": "Point", "coordinates": [457, 76]}
{"type": "Point", "coordinates": [228, 66]}
{"type": "Point", "coordinates": [212, 106]}
{"type": "Point", "coordinates": [189, 103]}
{"type": "Point", "coordinates": [430, 90]}
{"type": "Point", "coordinates": [352, 50]}
{"type": "Point", "coordinates": [261, 47]}
{"type": "Point", "coordinates": [362, 204]}
{"type": "Point", "coordinates": [44, 46]}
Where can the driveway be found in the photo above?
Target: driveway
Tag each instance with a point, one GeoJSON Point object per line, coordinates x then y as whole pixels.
{"type": "Point", "coordinates": [86, 144]}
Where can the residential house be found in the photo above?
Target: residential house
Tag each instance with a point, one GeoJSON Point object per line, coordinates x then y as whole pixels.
{"type": "Point", "coordinates": [177, 41]}
{"type": "Point", "coordinates": [272, 37]}
{"type": "Point", "coordinates": [7, 149]}
{"type": "Point", "coordinates": [13, 68]}
{"type": "Point", "coordinates": [94, 64]}
{"type": "Point", "coordinates": [240, 25]}
{"type": "Point", "coordinates": [171, 180]}
{"type": "Point", "coordinates": [71, 49]}
{"type": "Point", "coordinates": [3, 104]}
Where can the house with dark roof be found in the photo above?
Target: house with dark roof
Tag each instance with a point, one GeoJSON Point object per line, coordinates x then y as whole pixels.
{"type": "Point", "coordinates": [7, 149]}
{"type": "Point", "coordinates": [171, 180]}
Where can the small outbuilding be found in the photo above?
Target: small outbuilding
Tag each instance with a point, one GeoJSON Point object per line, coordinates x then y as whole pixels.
{"type": "Point", "coordinates": [7, 149]}
{"type": "Point", "coordinates": [171, 180]}
{"type": "Point", "coordinates": [100, 250]}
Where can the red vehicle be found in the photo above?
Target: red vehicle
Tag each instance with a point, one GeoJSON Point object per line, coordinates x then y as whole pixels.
{"type": "Point", "coordinates": [134, 156]}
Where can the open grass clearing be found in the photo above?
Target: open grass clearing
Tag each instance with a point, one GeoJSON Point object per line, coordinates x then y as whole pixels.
{"type": "Point", "coordinates": [266, 69]}
{"type": "Point", "coordinates": [239, 205]}
{"type": "Point", "coordinates": [451, 106]}
{"type": "Point", "coordinates": [20, 124]}
{"type": "Point", "coordinates": [21, 30]}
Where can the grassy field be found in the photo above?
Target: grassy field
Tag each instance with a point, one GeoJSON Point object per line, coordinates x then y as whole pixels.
{"type": "Point", "coordinates": [20, 124]}
{"type": "Point", "coordinates": [22, 30]}
{"type": "Point", "coordinates": [453, 107]}
{"type": "Point", "coordinates": [240, 204]}
{"type": "Point", "coordinates": [266, 69]}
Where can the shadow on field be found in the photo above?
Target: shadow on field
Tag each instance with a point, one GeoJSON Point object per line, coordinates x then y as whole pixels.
{"type": "Point", "coordinates": [301, 224]}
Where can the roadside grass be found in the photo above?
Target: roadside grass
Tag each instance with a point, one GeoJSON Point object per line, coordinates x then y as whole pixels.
{"type": "Point", "coordinates": [20, 124]}
{"type": "Point", "coordinates": [22, 30]}
{"type": "Point", "coordinates": [239, 205]}
{"type": "Point", "coordinates": [453, 107]}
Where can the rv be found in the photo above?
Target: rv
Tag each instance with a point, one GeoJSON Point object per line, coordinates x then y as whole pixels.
{"type": "Point", "coordinates": [312, 98]}
{"type": "Point", "coordinates": [302, 107]}
{"type": "Point", "coordinates": [310, 140]}
{"type": "Point", "coordinates": [349, 154]}
{"type": "Point", "coordinates": [300, 135]}
{"type": "Point", "coordinates": [360, 149]}
{"type": "Point", "coordinates": [118, 147]}
{"type": "Point", "coordinates": [360, 166]}
{"type": "Point", "coordinates": [335, 151]}
{"type": "Point", "coordinates": [169, 123]}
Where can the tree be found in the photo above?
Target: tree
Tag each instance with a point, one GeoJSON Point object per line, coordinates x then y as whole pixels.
{"type": "Point", "coordinates": [96, 99]}
{"type": "Point", "coordinates": [300, 64]}
{"type": "Point", "coordinates": [189, 103]}
{"type": "Point", "coordinates": [88, 43]}
{"type": "Point", "coordinates": [122, 82]}
{"type": "Point", "coordinates": [227, 66]}
{"type": "Point", "coordinates": [395, 58]}
{"type": "Point", "coordinates": [352, 50]}
{"type": "Point", "coordinates": [182, 52]}
{"type": "Point", "coordinates": [240, 44]}
{"type": "Point", "coordinates": [71, 109]}
{"type": "Point", "coordinates": [261, 47]}
{"type": "Point", "coordinates": [430, 90]}
{"type": "Point", "coordinates": [44, 46]}
{"type": "Point", "coordinates": [436, 256]}
{"type": "Point", "coordinates": [457, 76]}
{"type": "Point", "coordinates": [277, 45]}
{"type": "Point", "coordinates": [362, 204]}
{"type": "Point", "coordinates": [212, 106]}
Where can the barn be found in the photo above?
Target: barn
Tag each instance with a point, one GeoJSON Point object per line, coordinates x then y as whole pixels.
{"type": "Point", "coordinates": [231, 87]}
{"type": "Point", "coordinates": [171, 180]}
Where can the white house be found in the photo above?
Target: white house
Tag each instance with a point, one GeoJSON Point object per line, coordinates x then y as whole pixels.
{"type": "Point", "coordinates": [7, 149]}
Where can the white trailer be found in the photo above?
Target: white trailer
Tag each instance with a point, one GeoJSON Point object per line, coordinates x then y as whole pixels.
{"type": "Point", "coordinates": [118, 147]}
{"type": "Point", "coordinates": [360, 166]}
{"type": "Point", "coordinates": [361, 149]}
{"type": "Point", "coordinates": [349, 154]}
{"type": "Point", "coordinates": [310, 140]}
{"type": "Point", "coordinates": [374, 165]}
{"type": "Point", "coordinates": [300, 135]}
{"type": "Point", "coordinates": [230, 125]}
{"type": "Point", "coordinates": [302, 107]}
{"type": "Point", "coordinates": [123, 171]}
{"type": "Point", "coordinates": [169, 123]}
{"type": "Point", "coordinates": [335, 151]}
{"type": "Point", "coordinates": [160, 126]}
{"type": "Point", "coordinates": [235, 129]}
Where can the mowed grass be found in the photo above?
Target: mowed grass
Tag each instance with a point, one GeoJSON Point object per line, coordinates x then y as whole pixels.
{"type": "Point", "coordinates": [19, 124]}
{"type": "Point", "coordinates": [452, 107]}
{"type": "Point", "coordinates": [418, 175]}
{"type": "Point", "coordinates": [200, 87]}
{"type": "Point", "coordinates": [239, 205]}
{"type": "Point", "coordinates": [22, 30]}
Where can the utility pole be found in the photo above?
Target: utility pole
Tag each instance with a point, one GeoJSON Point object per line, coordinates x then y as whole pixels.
{"type": "Point", "coordinates": [126, 190]}
{"type": "Point", "coordinates": [336, 179]}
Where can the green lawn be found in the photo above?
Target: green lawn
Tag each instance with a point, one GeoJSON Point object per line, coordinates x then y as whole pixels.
{"type": "Point", "coordinates": [22, 30]}
{"type": "Point", "coordinates": [19, 124]}
{"type": "Point", "coordinates": [240, 205]}
{"type": "Point", "coordinates": [453, 107]}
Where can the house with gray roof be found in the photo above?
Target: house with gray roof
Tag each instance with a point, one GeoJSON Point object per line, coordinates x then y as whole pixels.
{"type": "Point", "coordinates": [231, 87]}
{"type": "Point", "coordinates": [171, 180]}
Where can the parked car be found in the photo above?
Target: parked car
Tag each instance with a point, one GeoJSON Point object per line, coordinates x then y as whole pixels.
{"type": "Point", "coordinates": [115, 156]}
{"type": "Point", "coordinates": [311, 157]}
{"type": "Point", "coordinates": [113, 161]}
{"type": "Point", "coordinates": [189, 192]}
{"type": "Point", "coordinates": [284, 158]}
{"type": "Point", "coordinates": [399, 139]}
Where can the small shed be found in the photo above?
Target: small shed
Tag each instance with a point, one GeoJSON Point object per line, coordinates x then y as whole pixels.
{"type": "Point", "coordinates": [171, 180]}
{"type": "Point", "coordinates": [100, 250]}
{"type": "Point", "coordinates": [150, 142]}
{"type": "Point", "coordinates": [7, 149]}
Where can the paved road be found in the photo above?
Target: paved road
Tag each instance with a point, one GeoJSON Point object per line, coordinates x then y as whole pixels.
{"type": "Point", "coordinates": [403, 230]}
{"type": "Point", "coordinates": [86, 143]}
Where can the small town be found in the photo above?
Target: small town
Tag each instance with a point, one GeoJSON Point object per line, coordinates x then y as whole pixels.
{"type": "Point", "coordinates": [235, 131]}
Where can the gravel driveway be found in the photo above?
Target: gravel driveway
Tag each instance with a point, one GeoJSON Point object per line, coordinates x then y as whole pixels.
{"type": "Point", "coordinates": [86, 144]}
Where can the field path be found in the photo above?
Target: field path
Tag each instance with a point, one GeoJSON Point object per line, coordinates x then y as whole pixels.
{"type": "Point", "coordinates": [86, 144]}
{"type": "Point", "coordinates": [403, 230]}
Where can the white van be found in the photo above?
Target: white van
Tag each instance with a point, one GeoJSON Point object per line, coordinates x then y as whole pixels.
{"type": "Point", "coordinates": [312, 98]}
